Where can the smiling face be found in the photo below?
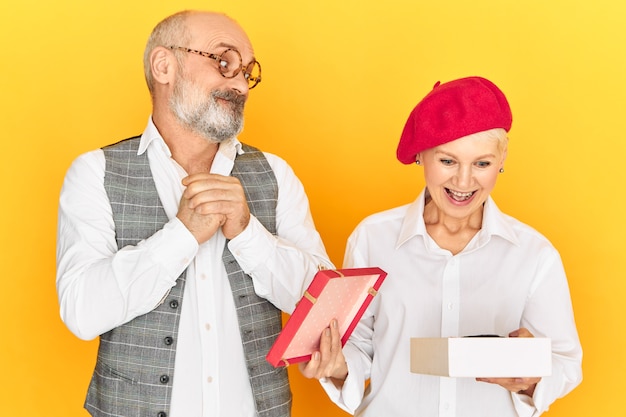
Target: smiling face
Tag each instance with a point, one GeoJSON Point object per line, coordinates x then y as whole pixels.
{"type": "Point", "coordinates": [461, 174]}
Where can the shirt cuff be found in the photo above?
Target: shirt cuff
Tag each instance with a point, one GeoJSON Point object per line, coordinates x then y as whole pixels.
{"type": "Point", "coordinates": [174, 258]}
{"type": "Point", "coordinates": [350, 396]}
{"type": "Point", "coordinates": [252, 247]}
{"type": "Point", "coordinates": [524, 405]}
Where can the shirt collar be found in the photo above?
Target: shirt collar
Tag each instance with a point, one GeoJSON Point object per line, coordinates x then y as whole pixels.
{"type": "Point", "coordinates": [494, 223]}
{"type": "Point", "coordinates": [229, 148]}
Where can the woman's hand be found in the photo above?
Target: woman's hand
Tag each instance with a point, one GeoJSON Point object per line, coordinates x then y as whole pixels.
{"type": "Point", "coordinates": [329, 362]}
{"type": "Point", "coordinates": [518, 385]}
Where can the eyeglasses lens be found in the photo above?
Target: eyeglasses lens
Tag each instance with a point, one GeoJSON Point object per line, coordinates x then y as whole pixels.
{"type": "Point", "coordinates": [230, 64]}
{"type": "Point", "coordinates": [252, 73]}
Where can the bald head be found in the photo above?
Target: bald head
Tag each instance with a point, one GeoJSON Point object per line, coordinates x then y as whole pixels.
{"type": "Point", "coordinates": [190, 28]}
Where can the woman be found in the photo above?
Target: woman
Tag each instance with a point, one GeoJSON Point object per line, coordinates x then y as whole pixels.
{"type": "Point", "coordinates": [457, 266]}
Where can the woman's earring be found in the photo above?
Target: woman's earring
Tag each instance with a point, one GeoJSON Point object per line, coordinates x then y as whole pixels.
{"type": "Point", "coordinates": [417, 162]}
{"type": "Point", "coordinates": [501, 171]}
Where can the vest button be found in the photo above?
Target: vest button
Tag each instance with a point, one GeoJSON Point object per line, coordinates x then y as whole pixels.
{"type": "Point", "coordinates": [168, 340]}
{"type": "Point", "coordinates": [164, 379]}
{"type": "Point", "coordinates": [174, 303]}
{"type": "Point", "coordinates": [161, 414]}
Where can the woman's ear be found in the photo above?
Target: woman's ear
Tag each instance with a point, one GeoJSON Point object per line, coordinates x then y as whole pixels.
{"type": "Point", "coordinates": [504, 154]}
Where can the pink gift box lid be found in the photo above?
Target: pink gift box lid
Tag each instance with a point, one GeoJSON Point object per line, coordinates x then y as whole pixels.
{"type": "Point", "coordinates": [341, 294]}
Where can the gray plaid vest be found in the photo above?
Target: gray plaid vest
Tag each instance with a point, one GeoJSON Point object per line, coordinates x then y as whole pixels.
{"type": "Point", "coordinates": [135, 366]}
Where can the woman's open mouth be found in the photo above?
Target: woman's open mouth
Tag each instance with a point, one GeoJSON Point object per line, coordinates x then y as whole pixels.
{"type": "Point", "coordinates": [458, 196]}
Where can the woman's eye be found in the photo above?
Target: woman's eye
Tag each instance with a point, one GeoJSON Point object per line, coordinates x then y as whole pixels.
{"type": "Point", "coordinates": [483, 164]}
{"type": "Point", "coordinates": [447, 161]}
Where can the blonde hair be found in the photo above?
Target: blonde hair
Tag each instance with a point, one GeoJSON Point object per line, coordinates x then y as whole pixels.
{"type": "Point", "coordinates": [498, 134]}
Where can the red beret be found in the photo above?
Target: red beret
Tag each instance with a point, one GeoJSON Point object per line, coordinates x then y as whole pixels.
{"type": "Point", "coordinates": [451, 111]}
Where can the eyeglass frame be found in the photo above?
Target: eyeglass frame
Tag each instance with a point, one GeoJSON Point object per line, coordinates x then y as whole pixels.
{"type": "Point", "coordinates": [218, 57]}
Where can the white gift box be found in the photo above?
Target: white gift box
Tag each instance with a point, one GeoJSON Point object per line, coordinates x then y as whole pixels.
{"type": "Point", "coordinates": [482, 357]}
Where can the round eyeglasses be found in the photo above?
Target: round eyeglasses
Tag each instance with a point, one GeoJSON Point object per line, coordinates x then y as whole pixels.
{"type": "Point", "coordinates": [230, 64]}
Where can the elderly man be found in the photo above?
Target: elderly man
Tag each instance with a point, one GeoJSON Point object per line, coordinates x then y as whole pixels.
{"type": "Point", "coordinates": [180, 247]}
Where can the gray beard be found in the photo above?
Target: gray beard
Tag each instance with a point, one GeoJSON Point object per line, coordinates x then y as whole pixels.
{"type": "Point", "coordinates": [203, 115]}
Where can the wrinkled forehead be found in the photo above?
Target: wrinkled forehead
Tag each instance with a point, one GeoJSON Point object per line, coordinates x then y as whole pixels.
{"type": "Point", "coordinates": [211, 31]}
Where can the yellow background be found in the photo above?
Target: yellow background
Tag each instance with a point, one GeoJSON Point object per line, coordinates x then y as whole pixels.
{"type": "Point", "coordinates": [340, 78]}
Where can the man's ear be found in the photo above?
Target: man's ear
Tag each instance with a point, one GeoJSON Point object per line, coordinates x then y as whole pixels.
{"type": "Point", "coordinates": [163, 65]}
